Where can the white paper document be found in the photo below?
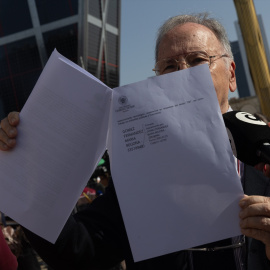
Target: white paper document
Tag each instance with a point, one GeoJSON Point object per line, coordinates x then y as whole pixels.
{"type": "Point", "coordinates": [171, 160]}
{"type": "Point", "coordinates": [62, 136]}
{"type": "Point", "coordinates": [172, 164]}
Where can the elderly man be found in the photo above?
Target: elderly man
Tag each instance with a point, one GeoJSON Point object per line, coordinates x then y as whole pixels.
{"type": "Point", "coordinates": [96, 237]}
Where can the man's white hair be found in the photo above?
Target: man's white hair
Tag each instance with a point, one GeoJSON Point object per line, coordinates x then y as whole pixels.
{"type": "Point", "coordinates": [201, 18]}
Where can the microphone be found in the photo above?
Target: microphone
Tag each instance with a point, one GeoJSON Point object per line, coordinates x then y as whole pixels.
{"type": "Point", "coordinates": [249, 137]}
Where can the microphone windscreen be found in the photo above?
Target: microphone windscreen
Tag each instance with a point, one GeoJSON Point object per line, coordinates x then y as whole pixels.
{"type": "Point", "coordinates": [246, 133]}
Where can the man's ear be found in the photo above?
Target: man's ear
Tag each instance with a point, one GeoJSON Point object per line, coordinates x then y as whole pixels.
{"type": "Point", "coordinates": [232, 79]}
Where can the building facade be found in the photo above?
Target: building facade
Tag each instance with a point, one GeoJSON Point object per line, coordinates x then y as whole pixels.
{"type": "Point", "coordinates": [248, 100]}
{"type": "Point", "coordinates": [85, 31]}
{"type": "Point", "coordinates": [244, 82]}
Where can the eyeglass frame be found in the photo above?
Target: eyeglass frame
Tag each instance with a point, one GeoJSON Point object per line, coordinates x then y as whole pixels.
{"type": "Point", "coordinates": [187, 65]}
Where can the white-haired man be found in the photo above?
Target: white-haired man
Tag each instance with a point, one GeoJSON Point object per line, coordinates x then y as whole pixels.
{"type": "Point", "coordinates": [96, 237]}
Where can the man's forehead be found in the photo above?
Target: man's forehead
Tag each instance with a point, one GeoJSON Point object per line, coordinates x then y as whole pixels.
{"type": "Point", "coordinates": [186, 38]}
{"type": "Point", "coordinates": [188, 26]}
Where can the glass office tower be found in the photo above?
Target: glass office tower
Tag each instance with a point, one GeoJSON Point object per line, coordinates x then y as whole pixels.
{"type": "Point", "coordinates": [85, 31]}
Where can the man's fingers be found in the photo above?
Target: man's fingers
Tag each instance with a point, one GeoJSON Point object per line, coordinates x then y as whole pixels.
{"type": "Point", "coordinates": [257, 234]}
{"type": "Point", "coordinates": [9, 124]}
{"type": "Point", "coordinates": [13, 118]}
{"type": "Point", "coordinates": [258, 209]}
{"type": "Point", "coordinates": [250, 200]}
{"type": "Point", "coordinates": [6, 142]}
{"type": "Point", "coordinates": [8, 131]}
{"type": "Point", "coordinates": [255, 220]}
{"type": "Point", "coordinates": [261, 236]}
{"type": "Point", "coordinates": [5, 146]}
{"type": "Point", "coordinates": [256, 223]}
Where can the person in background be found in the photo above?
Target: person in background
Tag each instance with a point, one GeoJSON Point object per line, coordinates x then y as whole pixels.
{"type": "Point", "coordinates": [8, 260]}
{"type": "Point", "coordinates": [87, 197]}
{"type": "Point", "coordinates": [101, 176]}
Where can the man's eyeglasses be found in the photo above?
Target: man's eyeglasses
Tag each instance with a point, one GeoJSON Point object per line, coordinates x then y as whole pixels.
{"type": "Point", "coordinates": [191, 59]}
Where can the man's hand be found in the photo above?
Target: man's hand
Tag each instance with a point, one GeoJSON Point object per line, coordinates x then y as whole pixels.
{"type": "Point", "coordinates": [8, 131]}
{"type": "Point", "coordinates": [255, 219]}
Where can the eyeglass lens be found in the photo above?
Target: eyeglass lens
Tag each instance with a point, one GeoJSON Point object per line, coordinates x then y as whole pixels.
{"type": "Point", "coordinates": [191, 60]}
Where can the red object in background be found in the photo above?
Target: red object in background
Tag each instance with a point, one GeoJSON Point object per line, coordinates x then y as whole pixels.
{"type": "Point", "coordinates": [88, 191]}
{"type": "Point", "coordinates": [8, 260]}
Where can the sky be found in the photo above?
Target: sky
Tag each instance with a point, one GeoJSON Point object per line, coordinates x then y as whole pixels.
{"type": "Point", "coordinates": [140, 20]}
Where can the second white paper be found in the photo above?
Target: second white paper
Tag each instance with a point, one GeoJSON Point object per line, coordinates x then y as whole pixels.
{"type": "Point", "coordinates": [62, 136]}
{"type": "Point", "coordinates": [172, 164]}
